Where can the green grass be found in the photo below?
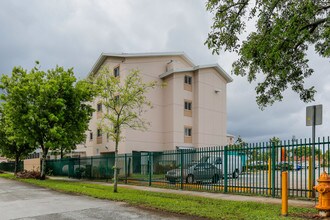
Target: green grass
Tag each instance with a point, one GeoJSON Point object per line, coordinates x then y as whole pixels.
{"type": "Point", "coordinates": [182, 204]}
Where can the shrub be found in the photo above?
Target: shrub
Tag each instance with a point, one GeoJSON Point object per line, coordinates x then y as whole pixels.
{"type": "Point", "coordinates": [28, 174]}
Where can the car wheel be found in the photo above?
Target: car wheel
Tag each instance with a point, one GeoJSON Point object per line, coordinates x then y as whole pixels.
{"type": "Point", "coordinates": [235, 174]}
{"type": "Point", "coordinates": [215, 178]}
{"type": "Point", "coordinates": [190, 178]}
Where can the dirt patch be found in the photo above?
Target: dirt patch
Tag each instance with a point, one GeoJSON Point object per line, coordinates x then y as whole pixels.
{"type": "Point", "coordinates": [307, 216]}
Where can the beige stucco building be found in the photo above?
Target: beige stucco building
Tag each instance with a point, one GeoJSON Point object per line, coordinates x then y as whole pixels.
{"type": "Point", "coordinates": [190, 111]}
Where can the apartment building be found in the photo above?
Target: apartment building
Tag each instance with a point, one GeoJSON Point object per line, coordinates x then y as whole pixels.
{"type": "Point", "coordinates": [189, 112]}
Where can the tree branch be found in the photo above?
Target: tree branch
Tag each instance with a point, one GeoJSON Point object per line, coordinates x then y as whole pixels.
{"type": "Point", "coordinates": [233, 5]}
{"type": "Point", "coordinates": [314, 25]}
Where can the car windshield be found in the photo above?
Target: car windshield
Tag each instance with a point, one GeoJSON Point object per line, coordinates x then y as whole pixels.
{"type": "Point", "coordinates": [186, 165]}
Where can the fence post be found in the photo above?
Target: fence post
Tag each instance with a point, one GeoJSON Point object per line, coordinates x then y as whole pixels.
{"type": "Point", "coordinates": [181, 163]}
{"type": "Point", "coordinates": [226, 169]}
{"type": "Point", "coordinates": [125, 165]}
{"type": "Point", "coordinates": [269, 176]}
{"type": "Point", "coordinates": [150, 165]}
{"type": "Point", "coordinates": [273, 169]}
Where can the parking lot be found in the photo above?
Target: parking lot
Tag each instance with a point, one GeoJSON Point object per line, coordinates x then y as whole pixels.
{"type": "Point", "coordinates": [254, 182]}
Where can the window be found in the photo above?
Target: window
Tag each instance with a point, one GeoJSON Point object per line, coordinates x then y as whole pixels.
{"type": "Point", "coordinates": [187, 132]}
{"type": "Point", "coordinates": [91, 136]}
{"type": "Point", "coordinates": [187, 135]}
{"type": "Point", "coordinates": [188, 83]}
{"type": "Point", "coordinates": [187, 80]}
{"type": "Point", "coordinates": [99, 107]}
{"type": "Point", "coordinates": [187, 105]}
{"type": "Point", "coordinates": [187, 108]}
{"type": "Point", "coordinates": [116, 72]}
{"type": "Point", "coordinates": [99, 133]}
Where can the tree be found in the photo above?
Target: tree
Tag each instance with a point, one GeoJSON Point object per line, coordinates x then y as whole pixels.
{"type": "Point", "coordinates": [305, 151]}
{"type": "Point", "coordinates": [11, 145]}
{"type": "Point", "coordinates": [125, 103]}
{"type": "Point", "coordinates": [277, 48]}
{"type": "Point", "coordinates": [48, 109]}
{"type": "Point", "coordinates": [240, 141]}
{"type": "Point", "coordinates": [275, 140]}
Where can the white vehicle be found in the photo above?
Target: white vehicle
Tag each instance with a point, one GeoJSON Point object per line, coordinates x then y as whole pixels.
{"type": "Point", "coordinates": [234, 167]}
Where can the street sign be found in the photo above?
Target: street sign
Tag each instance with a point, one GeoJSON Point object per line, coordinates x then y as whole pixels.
{"type": "Point", "coordinates": [310, 115]}
{"type": "Point", "coordinates": [313, 118]}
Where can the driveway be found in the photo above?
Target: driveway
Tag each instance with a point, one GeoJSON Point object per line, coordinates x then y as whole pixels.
{"type": "Point", "coordinates": [24, 201]}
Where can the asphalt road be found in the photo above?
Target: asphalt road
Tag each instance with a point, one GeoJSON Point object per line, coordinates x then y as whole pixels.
{"type": "Point", "coordinates": [23, 201]}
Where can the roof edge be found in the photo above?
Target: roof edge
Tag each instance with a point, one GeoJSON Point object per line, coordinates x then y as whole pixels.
{"type": "Point", "coordinates": [216, 66]}
{"type": "Point", "coordinates": [103, 57]}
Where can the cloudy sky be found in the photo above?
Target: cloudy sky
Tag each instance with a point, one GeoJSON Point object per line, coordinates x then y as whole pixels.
{"type": "Point", "coordinates": [73, 33]}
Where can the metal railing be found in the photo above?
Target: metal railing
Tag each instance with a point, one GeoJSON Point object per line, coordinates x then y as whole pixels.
{"type": "Point", "coordinates": [249, 168]}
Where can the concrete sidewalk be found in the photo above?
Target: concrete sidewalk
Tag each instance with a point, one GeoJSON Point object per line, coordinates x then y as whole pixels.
{"type": "Point", "coordinates": [232, 197]}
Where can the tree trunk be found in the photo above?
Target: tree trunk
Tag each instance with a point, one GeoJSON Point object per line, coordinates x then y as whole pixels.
{"type": "Point", "coordinates": [61, 152]}
{"type": "Point", "coordinates": [43, 164]}
{"type": "Point", "coordinates": [115, 175]}
{"type": "Point", "coordinates": [16, 164]}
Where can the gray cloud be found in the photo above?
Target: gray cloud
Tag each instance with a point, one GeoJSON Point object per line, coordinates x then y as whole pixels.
{"type": "Point", "coordinates": [74, 33]}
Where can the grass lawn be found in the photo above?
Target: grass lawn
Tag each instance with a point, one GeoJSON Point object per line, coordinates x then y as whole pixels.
{"type": "Point", "coordinates": [182, 204]}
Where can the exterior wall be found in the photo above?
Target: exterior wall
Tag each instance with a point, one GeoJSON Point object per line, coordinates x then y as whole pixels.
{"type": "Point", "coordinates": [32, 164]}
{"type": "Point", "coordinates": [167, 119]}
{"type": "Point", "coordinates": [212, 114]}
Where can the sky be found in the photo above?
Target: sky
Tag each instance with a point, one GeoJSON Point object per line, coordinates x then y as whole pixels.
{"type": "Point", "coordinates": [73, 33]}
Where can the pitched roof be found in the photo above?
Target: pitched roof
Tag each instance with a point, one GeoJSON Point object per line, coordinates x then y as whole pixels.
{"type": "Point", "coordinates": [104, 56]}
{"type": "Point", "coordinates": [221, 71]}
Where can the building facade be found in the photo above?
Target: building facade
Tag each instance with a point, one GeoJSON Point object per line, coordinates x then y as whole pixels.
{"type": "Point", "coordinates": [188, 112]}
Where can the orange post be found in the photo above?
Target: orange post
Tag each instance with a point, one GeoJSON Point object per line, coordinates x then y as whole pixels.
{"type": "Point", "coordinates": [284, 193]}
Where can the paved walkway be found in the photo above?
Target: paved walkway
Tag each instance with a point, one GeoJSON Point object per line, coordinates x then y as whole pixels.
{"type": "Point", "coordinates": [24, 201]}
{"type": "Point", "coordinates": [261, 199]}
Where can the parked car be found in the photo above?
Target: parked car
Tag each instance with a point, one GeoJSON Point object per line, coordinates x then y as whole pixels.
{"type": "Point", "coordinates": [297, 165]}
{"type": "Point", "coordinates": [305, 165]}
{"type": "Point", "coordinates": [234, 166]}
{"type": "Point", "coordinates": [195, 173]}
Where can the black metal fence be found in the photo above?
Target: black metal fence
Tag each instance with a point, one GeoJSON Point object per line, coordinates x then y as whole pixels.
{"type": "Point", "coordinates": [247, 168]}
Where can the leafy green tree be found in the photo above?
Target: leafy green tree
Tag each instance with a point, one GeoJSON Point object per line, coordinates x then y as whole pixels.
{"type": "Point", "coordinates": [305, 151]}
{"type": "Point", "coordinates": [277, 48]}
{"type": "Point", "coordinates": [240, 141]}
{"type": "Point", "coordinates": [12, 145]}
{"type": "Point", "coordinates": [275, 140]}
{"type": "Point", "coordinates": [48, 109]}
{"type": "Point", "coordinates": [125, 103]}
